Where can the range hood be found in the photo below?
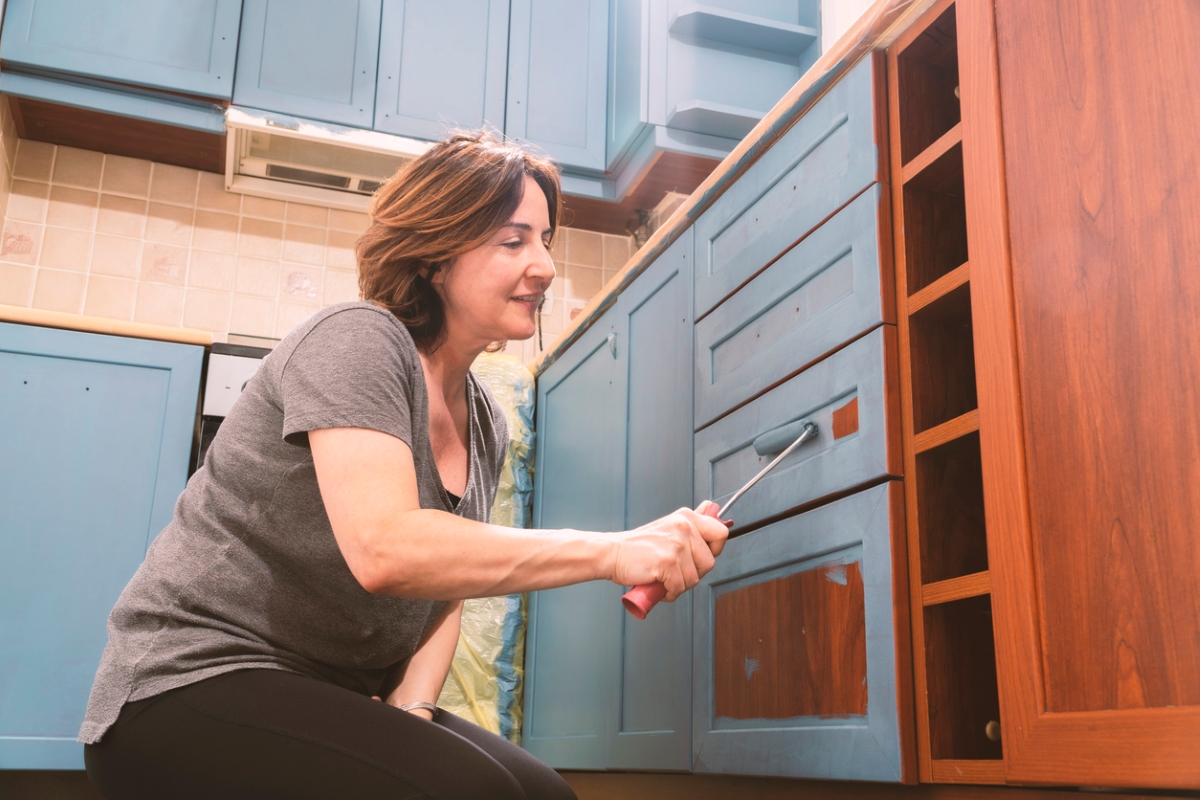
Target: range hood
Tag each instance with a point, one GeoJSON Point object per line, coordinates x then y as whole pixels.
{"type": "Point", "coordinates": [303, 161]}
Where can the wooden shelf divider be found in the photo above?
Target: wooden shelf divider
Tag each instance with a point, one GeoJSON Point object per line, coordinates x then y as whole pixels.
{"type": "Point", "coordinates": [948, 591]}
{"type": "Point", "coordinates": [948, 141]}
{"type": "Point", "coordinates": [948, 770]}
{"type": "Point", "coordinates": [946, 432]}
{"type": "Point", "coordinates": [939, 288]}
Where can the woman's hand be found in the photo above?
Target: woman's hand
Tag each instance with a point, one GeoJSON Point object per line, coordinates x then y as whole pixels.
{"type": "Point", "coordinates": [676, 550]}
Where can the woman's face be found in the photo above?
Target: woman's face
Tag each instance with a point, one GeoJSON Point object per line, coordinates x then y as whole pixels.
{"type": "Point", "coordinates": [492, 293]}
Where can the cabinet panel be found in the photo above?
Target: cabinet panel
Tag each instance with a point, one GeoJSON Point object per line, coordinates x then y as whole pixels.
{"type": "Point", "coordinates": [312, 58]}
{"type": "Point", "coordinates": [75, 529]}
{"type": "Point", "coordinates": [574, 632]}
{"type": "Point", "coordinates": [442, 65]}
{"type": "Point", "coordinates": [850, 395]}
{"type": "Point", "coordinates": [557, 78]}
{"type": "Point", "coordinates": [180, 45]}
{"type": "Point", "coordinates": [795, 646]}
{"type": "Point", "coordinates": [653, 723]}
{"type": "Point", "coordinates": [826, 290]}
{"type": "Point", "coordinates": [826, 159]}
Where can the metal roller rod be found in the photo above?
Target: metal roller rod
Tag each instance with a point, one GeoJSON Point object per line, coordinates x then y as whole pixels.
{"type": "Point", "coordinates": [810, 430]}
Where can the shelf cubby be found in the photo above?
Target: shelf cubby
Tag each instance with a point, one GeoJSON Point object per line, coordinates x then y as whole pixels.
{"type": "Point", "coordinates": [960, 658]}
{"type": "Point", "coordinates": [935, 235]}
{"type": "Point", "coordinates": [943, 360]}
{"type": "Point", "coordinates": [949, 493]}
{"type": "Point", "coordinates": [927, 75]}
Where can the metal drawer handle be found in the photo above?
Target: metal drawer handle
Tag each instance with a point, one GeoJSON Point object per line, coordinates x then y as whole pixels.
{"type": "Point", "coordinates": [772, 442]}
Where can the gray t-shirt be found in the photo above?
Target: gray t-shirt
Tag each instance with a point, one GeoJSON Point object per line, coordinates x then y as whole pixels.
{"type": "Point", "coordinates": [248, 574]}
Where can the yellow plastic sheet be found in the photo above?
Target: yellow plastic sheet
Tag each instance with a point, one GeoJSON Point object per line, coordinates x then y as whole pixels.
{"type": "Point", "coordinates": [486, 678]}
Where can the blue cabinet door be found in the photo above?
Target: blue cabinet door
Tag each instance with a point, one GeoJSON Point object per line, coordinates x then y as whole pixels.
{"type": "Point", "coordinates": [311, 58]}
{"type": "Point", "coordinates": [573, 645]}
{"type": "Point", "coordinates": [557, 79]}
{"type": "Point", "coordinates": [442, 65]}
{"type": "Point", "coordinates": [799, 630]}
{"type": "Point", "coordinates": [94, 450]}
{"type": "Point", "coordinates": [628, 76]}
{"type": "Point", "coordinates": [180, 45]}
{"type": "Point", "coordinates": [652, 723]}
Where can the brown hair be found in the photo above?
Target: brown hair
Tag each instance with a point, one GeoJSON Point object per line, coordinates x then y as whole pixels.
{"type": "Point", "coordinates": [448, 201]}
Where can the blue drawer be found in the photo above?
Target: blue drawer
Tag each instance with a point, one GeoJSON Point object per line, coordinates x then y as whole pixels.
{"type": "Point", "coordinates": [796, 644]}
{"type": "Point", "coordinates": [825, 160]}
{"type": "Point", "coordinates": [823, 292]}
{"type": "Point", "coordinates": [851, 395]}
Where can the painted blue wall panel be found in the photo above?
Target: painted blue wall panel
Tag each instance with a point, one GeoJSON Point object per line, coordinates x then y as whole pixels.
{"type": "Point", "coordinates": [94, 450]}
{"type": "Point", "coordinates": [557, 78]}
{"type": "Point", "coordinates": [311, 58]}
{"type": "Point", "coordinates": [573, 646]}
{"type": "Point", "coordinates": [441, 65]}
{"type": "Point", "coordinates": [180, 45]}
{"type": "Point", "coordinates": [652, 729]}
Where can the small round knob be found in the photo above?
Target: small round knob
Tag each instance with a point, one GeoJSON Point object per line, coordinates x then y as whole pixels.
{"type": "Point", "coordinates": [992, 731]}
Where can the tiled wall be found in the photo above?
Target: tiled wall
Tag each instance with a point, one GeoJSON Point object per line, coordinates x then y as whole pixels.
{"type": "Point", "coordinates": [130, 239]}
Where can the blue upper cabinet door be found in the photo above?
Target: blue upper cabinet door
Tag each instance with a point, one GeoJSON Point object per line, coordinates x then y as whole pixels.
{"type": "Point", "coordinates": [311, 58]}
{"type": "Point", "coordinates": [801, 634]}
{"type": "Point", "coordinates": [628, 76]}
{"type": "Point", "coordinates": [442, 65]}
{"type": "Point", "coordinates": [93, 455]}
{"type": "Point", "coordinates": [557, 79]}
{"type": "Point", "coordinates": [179, 45]}
{"type": "Point", "coordinates": [573, 646]}
{"type": "Point", "coordinates": [652, 727]}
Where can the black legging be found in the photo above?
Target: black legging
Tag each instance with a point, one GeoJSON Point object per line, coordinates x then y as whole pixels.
{"type": "Point", "coordinates": [261, 734]}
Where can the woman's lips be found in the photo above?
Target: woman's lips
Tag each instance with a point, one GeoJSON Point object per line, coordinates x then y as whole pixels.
{"type": "Point", "coordinates": [528, 300]}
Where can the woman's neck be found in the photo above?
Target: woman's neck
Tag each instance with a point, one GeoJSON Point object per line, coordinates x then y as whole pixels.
{"type": "Point", "coordinates": [446, 369]}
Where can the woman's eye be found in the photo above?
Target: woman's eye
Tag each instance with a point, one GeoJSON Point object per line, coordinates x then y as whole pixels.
{"type": "Point", "coordinates": [512, 245]}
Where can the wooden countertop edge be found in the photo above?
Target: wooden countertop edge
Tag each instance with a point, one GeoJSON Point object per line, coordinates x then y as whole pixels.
{"type": "Point", "coordinates": [116, 327]}
{"type": "Point", "coordinates": [882, 23]}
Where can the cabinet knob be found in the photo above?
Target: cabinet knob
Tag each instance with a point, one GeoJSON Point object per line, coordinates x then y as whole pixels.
{"type": "Point", "coordinates": [992, 731]}
{"type": "Point", "coordinates": [612, 344]}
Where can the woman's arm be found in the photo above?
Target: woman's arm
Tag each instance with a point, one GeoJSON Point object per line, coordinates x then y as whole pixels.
{"type": "Point", "coordinates": [423, 675]}
{"type": "Point", "coordinates": [393, 546]}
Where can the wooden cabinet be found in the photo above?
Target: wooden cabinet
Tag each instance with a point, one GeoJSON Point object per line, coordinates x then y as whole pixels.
{"type": "Point", "coordinates": [442, 65]}
{"type": "Point", "coordinates": [313, 58]}
{"type": "Point", "coordinates": [604, 690]}
{"type": "Point", "coordinates": [93, 455]}
{"type": "Point", "coordinates": [1084, 297]}
{"type": "Point", "coordinates": [558, 79]}
{"type": "Point", "coordinates": [187, 46]}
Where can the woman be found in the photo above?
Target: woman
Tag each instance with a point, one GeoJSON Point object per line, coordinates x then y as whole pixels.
{"type": "Point", "coordinates": [290, 630]}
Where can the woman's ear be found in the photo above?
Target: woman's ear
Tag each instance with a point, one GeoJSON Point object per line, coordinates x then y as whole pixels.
{"type": "Point", "coordinates": [435, 273]}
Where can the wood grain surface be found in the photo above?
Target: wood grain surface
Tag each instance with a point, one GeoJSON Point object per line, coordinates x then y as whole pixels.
{"type": "Point", "coordinates": [792, 647]}
{"type": "Point", "coordinates": [1087, 343]}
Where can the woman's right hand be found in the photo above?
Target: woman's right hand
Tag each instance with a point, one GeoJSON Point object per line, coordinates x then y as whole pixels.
{"type": "Point", "coordinates": [676, 550]}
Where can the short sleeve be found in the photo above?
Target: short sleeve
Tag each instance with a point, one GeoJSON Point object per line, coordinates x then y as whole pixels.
{"type": "Point", "coordinates": [353, 369]}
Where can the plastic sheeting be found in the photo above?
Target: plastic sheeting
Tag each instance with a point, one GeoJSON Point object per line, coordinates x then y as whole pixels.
{"type": "Point", "coordinates": [487, 675]}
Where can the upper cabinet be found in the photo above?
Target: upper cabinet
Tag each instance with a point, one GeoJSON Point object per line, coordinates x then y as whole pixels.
{"type": "Point", "coordinates": [557, 79]}
{"type": "Point", "coordinates": [310, 58]}
{"type": "Point", "coordinates": [441, 66]}
{"type": "Point", "coordinates": [184, 46]}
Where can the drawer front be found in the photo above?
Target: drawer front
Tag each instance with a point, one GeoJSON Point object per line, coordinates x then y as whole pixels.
{"type": "Point", "coordinates": [823, 292]}
{"type": "Point", "coordinates": [796, 645]}
{"type": "Point", "coordinates": [828, 157]}
{"type": "Point", "coordinates": [851, 396]}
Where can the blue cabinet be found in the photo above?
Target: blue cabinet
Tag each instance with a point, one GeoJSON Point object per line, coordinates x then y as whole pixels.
{"type": "Point", "coordinates": [604, 690]}
{"type": "Point", "coordinates": [310, 58]}
{"type": "Point", "coordinates": [93, 455]}
{"type": "Point", "coordinates": [574, 632]}
{"type": "Point", "coordinates": [797, 645]}
{"type": "Point", "coordinates": [179, 45]}
{"type": "Point", "coordinates": [442, 65]}
{"type": "Point", "coordinates": [557, 79]}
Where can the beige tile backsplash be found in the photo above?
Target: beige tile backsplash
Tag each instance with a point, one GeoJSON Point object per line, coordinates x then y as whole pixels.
{"type": "Point", "coordinates": [127, 238]}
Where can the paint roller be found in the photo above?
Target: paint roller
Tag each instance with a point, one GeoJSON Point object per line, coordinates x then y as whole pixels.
{"type": "Point", "coordinates": [640, 599]}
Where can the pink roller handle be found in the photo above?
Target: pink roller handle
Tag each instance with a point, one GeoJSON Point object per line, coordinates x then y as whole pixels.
{"type": "Point", "coordinates": [640, 599]}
